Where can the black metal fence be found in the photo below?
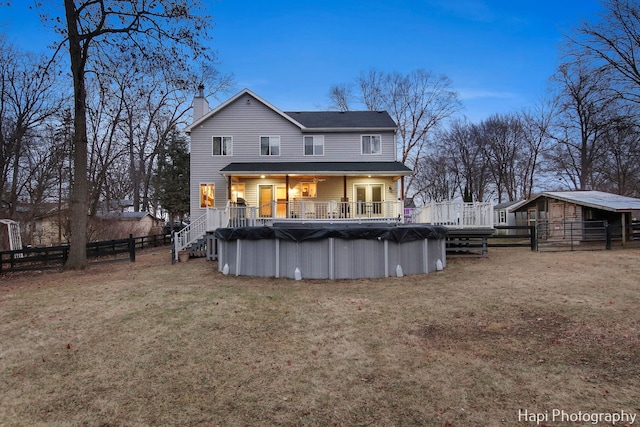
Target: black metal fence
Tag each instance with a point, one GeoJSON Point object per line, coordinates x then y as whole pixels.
{"type": "Point", "coordinates": [582, 235]}
{"type": "Point", "coordinates": [514, 236]}
{"type": "Point", "coordinates": [56, 256]}
{"type": "Point", "coordinates": [566, 236]}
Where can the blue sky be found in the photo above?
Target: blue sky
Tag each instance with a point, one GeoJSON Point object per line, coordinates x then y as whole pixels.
{"type": "Point", "coordinates": [498, 54]}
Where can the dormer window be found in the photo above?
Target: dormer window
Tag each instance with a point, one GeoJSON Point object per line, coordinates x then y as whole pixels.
{"type": "Point", "coordinates": [371, 144]}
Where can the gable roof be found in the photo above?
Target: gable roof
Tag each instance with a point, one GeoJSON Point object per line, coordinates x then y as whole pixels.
{"type": "Point", "coordinates": [595, 199]}
{"type": "Point", "coordinates": [509, 206]}
{"type": "Point", "coordinates": [231, 101]}
{"type": "Point", "coordinates": [315, 120]}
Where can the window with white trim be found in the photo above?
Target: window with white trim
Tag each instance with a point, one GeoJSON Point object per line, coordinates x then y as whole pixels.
{"type": "Point", "coordinates": [308, 189]}
{"type": "Point", "coordinates": [237, 192]}
{"type": "Point", "coordinates": [503, 217]}
{"type": "Point", "coordinates": [314, 145]}
{"type": "Point", "coordinates": [371, 144]}
{"type": "Point", "coordinates": [222, 146]}
{"type": "Point", "coordinates": [207, 195]}
{"type": "Point", "coordinates": [269, 145]}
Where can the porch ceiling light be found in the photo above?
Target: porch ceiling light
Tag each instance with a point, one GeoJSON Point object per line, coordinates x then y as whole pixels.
{"type": "Point", "coordinates": [262, 176]}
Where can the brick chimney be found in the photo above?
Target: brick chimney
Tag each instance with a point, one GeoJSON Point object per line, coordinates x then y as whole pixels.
{"type": "Point", "coordinates": [200, 104]}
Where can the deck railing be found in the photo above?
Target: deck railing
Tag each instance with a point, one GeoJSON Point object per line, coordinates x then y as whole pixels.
{"type": "Point", "coordinates": [313, 211]}
{"type": "Point", "coordinates": [455, 214]}
{"type": "Point", "coordinates": [212, 219]}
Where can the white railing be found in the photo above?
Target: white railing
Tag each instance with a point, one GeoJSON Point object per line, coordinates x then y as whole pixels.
{"type": "Point", "coordinates": [212, 219]}
{"type": "Point", "coordinates": [455, 214]}
{"type": "Point", "coordinates": [313, 211]}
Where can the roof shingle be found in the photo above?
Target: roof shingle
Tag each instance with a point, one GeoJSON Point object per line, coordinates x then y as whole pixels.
{"type": "Point", "coordinates": [343, 119]}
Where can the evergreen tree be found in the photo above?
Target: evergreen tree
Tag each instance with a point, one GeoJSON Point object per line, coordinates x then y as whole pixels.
{"type": "Point", "coordinates": [172, 177]}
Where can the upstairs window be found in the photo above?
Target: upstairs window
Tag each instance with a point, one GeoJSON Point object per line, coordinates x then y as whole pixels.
{"type": "Point", "coordinates": [222, 146]}
{"type": "Point", "coordinates": [269, 145]}
{"type": "Point", "coordinates": [371, 144]}
{"type": "Point", "coordinates": [314, 145]}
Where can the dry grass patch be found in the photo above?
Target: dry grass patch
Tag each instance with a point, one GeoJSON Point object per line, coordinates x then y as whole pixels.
{"type": "Point", "coordinates": [152, 343]}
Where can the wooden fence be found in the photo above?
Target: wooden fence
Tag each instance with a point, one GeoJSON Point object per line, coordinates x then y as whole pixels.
{"type": "Point", "coordinates": [56, 256]}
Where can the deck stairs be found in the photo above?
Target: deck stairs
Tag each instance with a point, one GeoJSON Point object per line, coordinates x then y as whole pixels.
{"type": "Point", "coordinates": [198, 249]}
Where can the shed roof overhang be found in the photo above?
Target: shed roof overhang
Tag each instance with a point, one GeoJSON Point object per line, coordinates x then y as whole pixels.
{"type": "Point", "coordinates": [395, 169]}
{"type": "Point", "coordinates": [592, 199]}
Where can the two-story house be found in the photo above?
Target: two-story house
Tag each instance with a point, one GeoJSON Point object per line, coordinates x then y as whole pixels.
{"type": "Point", "coordinates": [321, 165]}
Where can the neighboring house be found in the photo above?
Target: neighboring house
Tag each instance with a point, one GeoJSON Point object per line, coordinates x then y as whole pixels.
{"type": "Point", "coordinates": [558, 209]}
{"type": "Point", "coordinates": [504, 216]}
{"type": "Point", "coordinates": [119, 225]}
{"type": "Point", "coordinates": [43, 224]}
{"type": "Point", "coordinates": [294, 164]}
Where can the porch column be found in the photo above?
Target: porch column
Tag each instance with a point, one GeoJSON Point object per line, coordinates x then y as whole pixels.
{"type": "Point", "coordinates": [402, 187]}
{"type": "Point", "coordinates": [624, 228]}
{"type": "Point", "coordinates": [286, 192]}
{"type": "Point", "coordinates": [344, 188]}
{"type": "Point", "coordinates": [286, 180]}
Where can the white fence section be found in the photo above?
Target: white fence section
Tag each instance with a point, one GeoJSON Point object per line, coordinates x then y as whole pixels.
{"type": "Point", "coordinates": [455, 214]}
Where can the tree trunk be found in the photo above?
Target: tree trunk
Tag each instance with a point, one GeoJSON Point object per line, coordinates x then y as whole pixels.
{"type": "Point", "coordinates": [78, 203]}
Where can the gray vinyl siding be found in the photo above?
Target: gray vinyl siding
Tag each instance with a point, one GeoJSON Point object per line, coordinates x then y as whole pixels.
{"type": "Point", "coordinates": [246, 120]}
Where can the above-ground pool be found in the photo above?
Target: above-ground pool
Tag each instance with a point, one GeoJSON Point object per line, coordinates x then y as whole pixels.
{"type": "Point", "coordinates": [314, 251]}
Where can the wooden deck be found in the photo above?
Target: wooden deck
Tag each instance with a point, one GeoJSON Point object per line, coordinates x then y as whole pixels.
{"type": "Point", "coordinates": [469, 223]}
{"type": "Point", "coordinates": [468, 242]}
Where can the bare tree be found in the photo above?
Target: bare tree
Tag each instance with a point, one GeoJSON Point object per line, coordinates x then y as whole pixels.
{"type": "Point", "coordinates": [418, 102]}
{"type": "Point", "coordinates": [585, 110]}
{"type": "Point", "coordinates": [159, 30]}
{"type": "Point", "coordinates": [467, 159]}
{"type": "Point", "coordinates": [436, 180]}
{"type": "Point", "coordinates": [536, 123]}
{"type": "Point", "coordinates": [28, 98]}
{"type": "Point", "coordinates": [614, 44]}
{"type": "Point", "coordinates": [340, 97]}
{"type": "Point", "coordinates": [502, 139]}
{"type": "Point", "coordinates": [621, 165]}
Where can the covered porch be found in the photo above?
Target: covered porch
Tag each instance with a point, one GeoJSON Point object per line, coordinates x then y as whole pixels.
{"type": "Point", "coordinates": [322, 191]}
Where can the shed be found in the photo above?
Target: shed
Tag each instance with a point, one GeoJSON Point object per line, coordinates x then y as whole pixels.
{"type": "Point", "coordinates": [562, 207]}
{"type": "Point", "coordinates": [504, 216]}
